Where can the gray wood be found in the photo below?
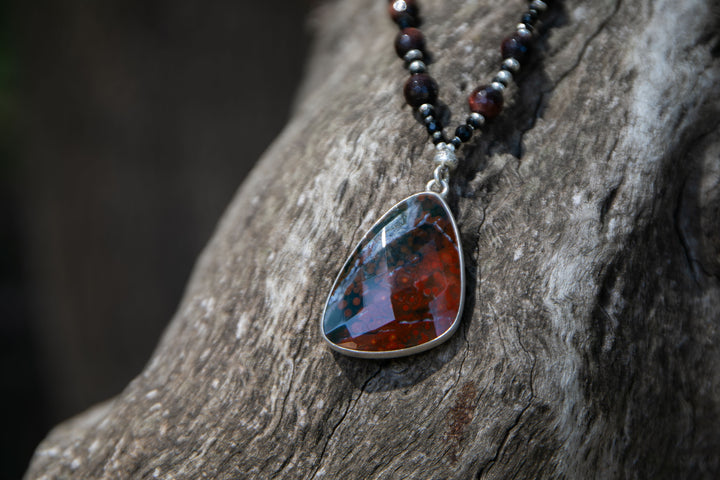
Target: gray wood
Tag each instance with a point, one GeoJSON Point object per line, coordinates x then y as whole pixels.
{"type": "Point", "coordinates": [589, 216]}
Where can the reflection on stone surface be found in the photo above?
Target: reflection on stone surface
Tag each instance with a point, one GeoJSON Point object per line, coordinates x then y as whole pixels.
{"type": "Point", "coordinates": [402, 286]}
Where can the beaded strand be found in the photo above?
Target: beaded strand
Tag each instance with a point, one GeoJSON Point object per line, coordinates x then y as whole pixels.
{"type": "Point", "coordinates": [421, 90]}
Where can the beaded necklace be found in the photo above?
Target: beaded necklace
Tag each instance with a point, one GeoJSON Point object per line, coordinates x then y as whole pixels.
{"type": "Point", "coordinates": [402, 289]}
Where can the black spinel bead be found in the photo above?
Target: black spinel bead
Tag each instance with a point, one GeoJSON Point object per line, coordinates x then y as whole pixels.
{"type": "Point", "coordinates": [420, 88]}
{"type": "Point", "coordinates": [405, 20]}
{"type": "Point", "coordinates": [438, 137]}
{"type": "Point", "coordinates": [463, 132]}
{"type": "Point", "coordinates": [456, 142]}
{"type": "Point", "coordinates": [433, 127]}
{"type": "Point", "coordinates": [530, 17]}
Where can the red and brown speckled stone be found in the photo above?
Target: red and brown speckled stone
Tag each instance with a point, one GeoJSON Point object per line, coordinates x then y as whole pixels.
{"type": "Point", "coordinates": [486, 101]}
{"type": "Point", "coordinates": [402, 286]}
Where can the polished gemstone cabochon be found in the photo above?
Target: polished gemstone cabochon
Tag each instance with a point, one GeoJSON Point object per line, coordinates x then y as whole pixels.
{"type": "Point", "coordinates": [401, 290]}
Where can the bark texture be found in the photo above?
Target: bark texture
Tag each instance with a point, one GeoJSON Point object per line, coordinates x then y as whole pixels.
{"type": "Point", "coordinates": [589, 214]}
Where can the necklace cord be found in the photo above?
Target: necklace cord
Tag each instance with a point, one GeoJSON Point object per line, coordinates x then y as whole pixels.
{"type": "Point", "coordinates": [485, 102]}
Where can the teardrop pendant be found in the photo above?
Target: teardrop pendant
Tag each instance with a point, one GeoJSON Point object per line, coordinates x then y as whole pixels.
{"type": "Point", "coordinates": [401, 291]}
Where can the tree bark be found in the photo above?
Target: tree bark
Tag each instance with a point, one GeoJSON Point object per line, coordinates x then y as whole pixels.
{"type": "Point", "coordinates": [589, 213]}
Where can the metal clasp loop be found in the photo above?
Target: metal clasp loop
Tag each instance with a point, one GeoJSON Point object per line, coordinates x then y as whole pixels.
{"type": "Point", "coordinates": [440, 180]}
{"type": "Point", "coordinates": [447, 161]}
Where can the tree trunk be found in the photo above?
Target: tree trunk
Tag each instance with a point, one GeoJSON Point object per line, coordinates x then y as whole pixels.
{"type": "Point", "coordinates": [589, 213]}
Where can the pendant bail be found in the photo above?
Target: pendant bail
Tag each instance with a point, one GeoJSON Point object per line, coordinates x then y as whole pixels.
{"type": "Point", "coordinates": [445, 155]}
{"type": "Point", "coordinates": [447, 161]}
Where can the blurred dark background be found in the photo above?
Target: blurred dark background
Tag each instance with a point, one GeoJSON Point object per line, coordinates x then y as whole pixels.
{"type": "Point", "coordinates": [125, 128]}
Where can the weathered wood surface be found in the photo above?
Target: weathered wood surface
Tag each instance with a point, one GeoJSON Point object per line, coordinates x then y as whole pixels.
{"type": "Point", "coordinates": [590, 217]}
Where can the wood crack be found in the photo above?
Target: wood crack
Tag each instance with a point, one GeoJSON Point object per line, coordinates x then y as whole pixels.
{"type": "Point", "coordinates": [585, 46]}
{"type": "Point", "coordinates": [351, 404]}
{"type": "Point", "coordinates": [485, 469]}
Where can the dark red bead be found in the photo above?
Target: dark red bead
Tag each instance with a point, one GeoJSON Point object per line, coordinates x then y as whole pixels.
{"type": "Point", "coordinates": [419, 89]}
{"type": "Point", "coordinates": [486, 101]}
{"type": "Point", "coordinates": [402, 8]}
{"type": "Point", "coordinates": [409, 39]}
{"type": "Point", "coordinates": [516, 46]}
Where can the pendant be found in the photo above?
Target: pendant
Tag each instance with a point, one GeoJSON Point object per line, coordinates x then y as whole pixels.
{"type": "Point", "coordinates": [401, 291]}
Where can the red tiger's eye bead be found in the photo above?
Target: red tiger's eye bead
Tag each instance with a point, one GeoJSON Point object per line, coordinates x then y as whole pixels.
{"type": "Point", "coordinates": [409, 39]}
{"type": "Point", "coordinates": [516, 45]}
{"type": "Point", "coordinates": [419, 89]}
{"type": "Point", "coordinates": [486, 101]}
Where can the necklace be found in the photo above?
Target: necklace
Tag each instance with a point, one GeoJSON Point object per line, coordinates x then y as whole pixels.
{"type": "Point", "coordinates": [402, 289]}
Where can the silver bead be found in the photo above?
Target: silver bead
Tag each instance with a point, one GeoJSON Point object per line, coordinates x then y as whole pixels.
{"type": "Point", "coordinates": [524, 31]}
{"type": "Point", "coordinates": [497, 86]}
{"type": "Point", "coordinates": [504, 77]}
{"type": "Point", "coordinates": [426, 110]}
{"type": "Point", "coordinates": [538, 5]}
{"type": "Point", "coordinates": [511, 65]}
{"type": "Point", "coordinates": [417, 66]}
{"type": "Point", "coordinates": [475, 120]}
{"type": "Point", "coordinates": [445, 155]}
{"type": "Point", "coordinates": [413, 55]}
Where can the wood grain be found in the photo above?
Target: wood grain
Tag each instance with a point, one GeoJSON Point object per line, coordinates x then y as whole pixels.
{"type": "Point", "coordinates": [589, 217]}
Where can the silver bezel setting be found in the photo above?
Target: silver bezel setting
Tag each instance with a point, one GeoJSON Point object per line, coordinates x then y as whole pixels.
{"type": "Point", "coordinates": [418, 348]}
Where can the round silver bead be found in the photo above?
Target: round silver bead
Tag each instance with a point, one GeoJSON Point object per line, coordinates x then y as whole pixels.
{"type": "Point", "coordinates": [497, 86]}
{"type": "Point", "coordinates": [476, 120]}
{"type": "Point", "coordinates": [538, 5]}
{"type": "Point", "coordinates": [426, 109]}
{"type": "Point", "coordinates": [417, 66]}
{"type": "Point", "coordinates": [524, 30]}
{"type": "Point", "coordinates": [511, 65]}
{"type": "Point", "coordinates": [445, 155]}
{"type": "Point", "coordinates": [413, 55]}
{"type": "Point", "coordinates": [504, 77]}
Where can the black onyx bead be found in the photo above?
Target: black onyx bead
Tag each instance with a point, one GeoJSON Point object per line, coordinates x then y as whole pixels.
{"type": "Point", "coordinates": [456, 142]}
{"type": "Point", "coordinates": [438, 137]}
{"type": "Point", "coordinates": [405, 20]}
{"type": "Point", "coordinates": [463, 132]}
{"type": "Point", "coordinates": [516, 46]}
{"type": "Point", "coordinates": [409, 39]}
{"type": "Point", "coordinates": [433, 127]}
{"type": "Point", "coordinates": [419, 89]}
{"type": "Point", "coordinates": [530, 17]}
